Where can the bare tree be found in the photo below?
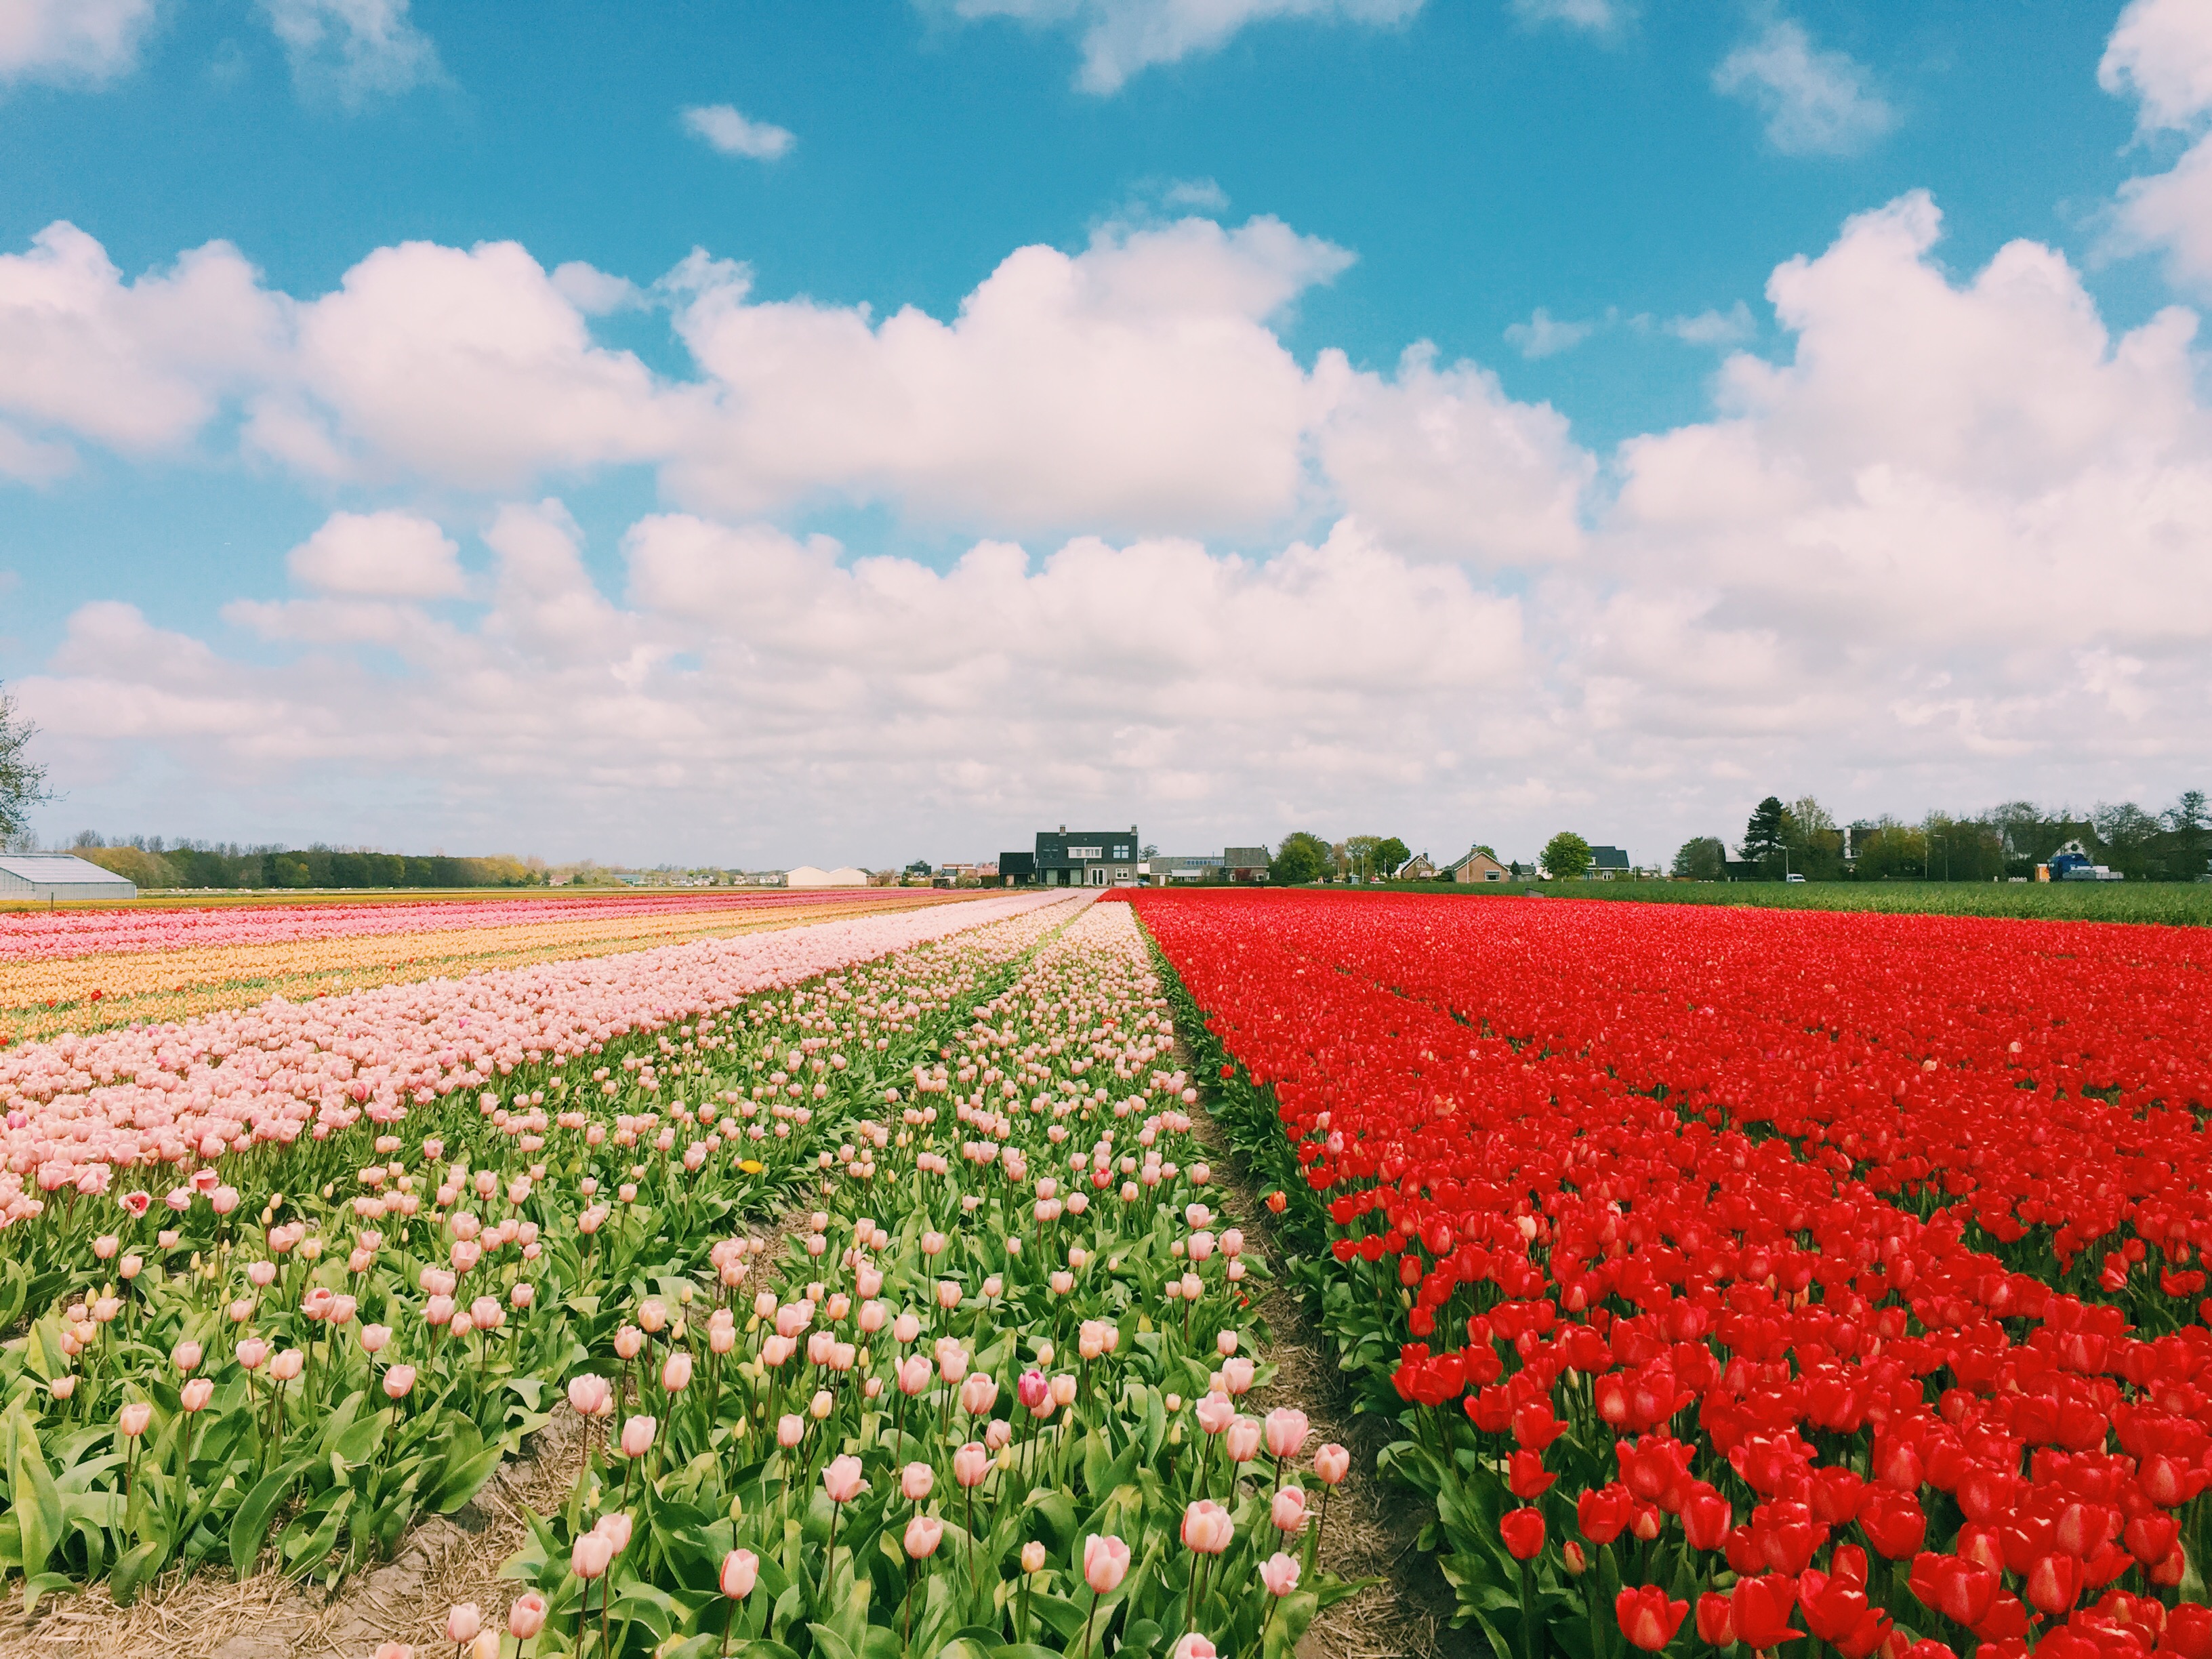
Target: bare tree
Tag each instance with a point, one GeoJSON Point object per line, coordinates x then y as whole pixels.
{"type": "Point", "coordinates": [22, 781]}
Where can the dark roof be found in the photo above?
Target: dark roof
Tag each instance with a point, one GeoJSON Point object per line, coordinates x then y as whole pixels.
{"type": "Point", "coordinates": [1018, 864]}
{"type": "Point", "coordinates": [1608, 858]}
{"type": "Point", "coordinates": [1244, 857]}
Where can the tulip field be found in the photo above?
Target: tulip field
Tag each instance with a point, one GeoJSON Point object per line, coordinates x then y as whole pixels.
{"type": "Point", "coordinates": [878, 1258]}
{"type": "Point", "coordinates": [87, 970]}
{"type": "Point", "coordinates": [1742, 1279]}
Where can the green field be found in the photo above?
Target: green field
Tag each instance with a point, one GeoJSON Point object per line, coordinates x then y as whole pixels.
{"type": "Point", "coordinates": [2174, 903]}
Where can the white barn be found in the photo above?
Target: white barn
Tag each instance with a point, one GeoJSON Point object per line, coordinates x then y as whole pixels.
{"type": "Point", "coordinates": [53, 876]}
{"type": "Point", "coordinates": [807, 876]}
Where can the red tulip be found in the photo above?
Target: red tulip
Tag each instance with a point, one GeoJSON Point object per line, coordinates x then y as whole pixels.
{"type": "Point", "coordinates": [1646, 1617]}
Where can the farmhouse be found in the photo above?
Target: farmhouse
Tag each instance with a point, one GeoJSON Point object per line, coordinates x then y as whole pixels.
{"type": "Point", "coordinates": [807, 876]}
{"type": "Point", "coordinates": [1087, 858]}
{"type": "Point", "coordinates": [1246, 863]}
{"type": "Point", "coordinates": [1477, 866]}
{"type": "Point", "coordinates": [53, 876]}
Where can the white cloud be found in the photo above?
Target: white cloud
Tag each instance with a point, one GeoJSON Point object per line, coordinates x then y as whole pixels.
{"type": "Point", "coordinates": [1137, 385]}
{"type": "Point", "coordinates": [352, 49]}
{"type": "Point", "coordinates": [1546, 335]}
{"type": "Point", "coordinates": [141, 365]}
{"type": "Point", "coordinates": [1595, 16]}
{"type": "Point", "coordinates": [71, 40]}
{"type": "Point", "coordinates": [31, 461]}
{"type": "Point", "coordinates": [470, 367]}
{"type": "Point", "coordinates": [2161, 53]}
{"type": "Point", "coordinates": [1123, 37]}
{"type": "Point", "coordinates": [754, 679]}
{"type": "Point", "coordinates": [1443, 464]}
{"type": "Point", "coordinates": [1816, 101]}
{"type": "Point", "coordinates": [389, 555]}
{"type": "Point", "coordinates": [1715, 328]}
{"type": "Point", "coordinates": [723, 129]}
{"type": "Point", "coordinates": [592, 291]}
{"type": "Point", "coordinates": [1195, 196]}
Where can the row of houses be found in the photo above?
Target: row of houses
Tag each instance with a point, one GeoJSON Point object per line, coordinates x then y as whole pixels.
{"type": "Point", "coordinates": [1119, 858]}
{"type": "Point", "coordinates": [1476, 866]}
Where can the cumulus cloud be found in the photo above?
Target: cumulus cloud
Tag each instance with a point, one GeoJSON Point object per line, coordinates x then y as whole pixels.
{"type": "Point", "coordinates": [354, 50]}
{"type": "Point", "coordinates": [1121, 37]}
{"type": "Point", "coordinates": [1443, 465]}
{"type": "Point", "coordinates": [1817, 101]}
{"type": "Point", "coordinates": [1137, 385]}
{"type": "Point", "coordinates": [1600, 17]}
{"type": "Point", "coordinates": [71, 40]}
{"type": "Point", "coordinates": [1546, 335]}
{"type": "Point", "coordinates": [389, 555]}
{"type": "Point", "coordinates": [139, 365]}
{"type": "Point", "coordinates": [752, 677]}
{"type": "Point", "coordinates": [2160, 53]}
{"type": "Point", "coordinates": [721, 128]}
{"type": "Point", "coordinates": [1715, 328]}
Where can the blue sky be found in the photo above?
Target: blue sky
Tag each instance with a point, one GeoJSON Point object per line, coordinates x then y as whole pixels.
{"type": "Point", "coordinates": [1276, 576]}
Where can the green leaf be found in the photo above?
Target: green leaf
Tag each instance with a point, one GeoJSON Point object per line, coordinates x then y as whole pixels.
{"type": "Point", "coordinates": [133, 1570]}
{"type": "Point", "coordinates": [38, 1501]}
{"type": "Point", "coordinates": [828, 1645]}
{"type": "Point", "coordinates": [45, 1583]}
{"type": "Point", "coordinates": [465, 1479]}
{"type": "Point", "coordinates": [249, 1527]}
{"type": "Point", "coordinates": [1293, 1613]}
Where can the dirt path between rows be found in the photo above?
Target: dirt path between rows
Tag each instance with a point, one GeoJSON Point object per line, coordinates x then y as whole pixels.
{"type": "Point", "coordinates": [1372, 1524]}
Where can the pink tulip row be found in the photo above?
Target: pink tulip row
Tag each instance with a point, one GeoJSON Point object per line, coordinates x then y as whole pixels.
{"type": "Point", "coordinates": [80, 1109]}
{"type": "Point", "coordinates": [42, 936]}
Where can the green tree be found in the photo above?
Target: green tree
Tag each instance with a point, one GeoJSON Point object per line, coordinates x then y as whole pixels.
{"type": "Point", "coordinates": [22, 783]}
{"type": "Point", "coordinates": [1766, 836]}
{"type": "Point", "coordinates": [2130, 835]}
{"type": "Point", "coordinates": [1390, 855]}
{"type": "Point", "coordinates": [1703, 858]}
{"type": "Point", "coordinates": [1565, 856]}
{"type": "Point", "coordinates": [1303, 857]}
{"type": "Point", "coordinates": [1815, 844]}
{"type": "Point", "coordinates": [2188, 824]}
{"type": "Point", "coordinates": [1359, 859]}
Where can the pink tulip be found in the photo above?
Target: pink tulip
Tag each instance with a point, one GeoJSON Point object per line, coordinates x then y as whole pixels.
{"type": "Point", "coordinates": [400, 1381]}
{"type": "Point", "coordinates": [790, 1429]}
{"type": "Point", "coordinates": [978, 1394]}
{"type": "Point", "coordinates": [1285, 1429]}
{"type": "Point", "coordinates": [914, 1374]}
{"type": "Point", "coordinates": [1215, 1414]}
{"type": "Point", "coordinates": [287, 1365]}
{"type": "Point", "coordinates": [970, 1464]}
{"type": "Point", "coordinates": [1033, 1391]}
{"type": "Point", "coordinates": [185, 1356]}
{"type": "Point", "coordinates": [1241, 1443]}
{"type": "Point", "coordinates": [615, 1527]}
{"type": "Point", "coordinates": [253, 1353]}
{"type": "Point", "coordinates": [196, 1394]}
{"type": "Point", "coordinates": [1332, 1463]}
{"type": "Point", "coordinates": [948, 1294]}
{"type": "Point", "coordinates": [905, 1329]}
{"type": "Point", "coordinates": [1290, 1509]}
{"type": "Point", "coordinates": [374, 1338]}
{"type": "Point", "coordinates": [953, 1365]}
{"type": "Point", "coordinates": [1105, 1564]}
{"type": "Point", "coordinates": [676, 1375]}
{"type": "Point", "coordinates": [997, 1434]}
{"type": "Point", "coordinates": [591, 1555]}
{"type": "Point", "coordinates": [1033, 1556]}
{"type": "Point", "coordinates": [1236, 1375]}
{"type": "Point", "coordinates": [637, 1437]}
{"type": "Point", "coordinates": [133, 1418]}
{"type": "Point", "coordinates": [915, 1480]}
{"type": "Point", "coordinates": [842, 1480]}
{"type": "Point", "coordinates": [1208, 1528]}
{"type": "Point", "coordinates": [590, 1396]}
{"type": "Point", "coordinates": [1192, 1645]}
{"type": "Point", "coordinates": [1279, 1573]}
{"type": "Point", "coordinates": [922, 1534]}
{"type": "Point", "coordinates": [740, 1572]}
{"type": "Point", "coordinates": [463, 1623]}
{"type": "Point", "coordinates": [526, 1617]}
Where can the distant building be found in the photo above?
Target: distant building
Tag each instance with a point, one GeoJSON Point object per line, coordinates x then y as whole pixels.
{"type": "Point", "coordinates": [1416, 868]}
{"type": "Point", "coordinates": [1017, 869]}
{"type": "Point", "coordinates": [807, 875]}
{"type": "Point", "coordinates": [1088, 858]}
{"type": "Point", "coordinates": [1477, 866]}
{"type": "Point", "coordinates": [60, 877]}
{"type": "Point", "coordinates": [1184, 867]}
{"type": "Point", "coordinates": [1607, 864]}
{"type": "Point", "coordinates": [1246, 863]}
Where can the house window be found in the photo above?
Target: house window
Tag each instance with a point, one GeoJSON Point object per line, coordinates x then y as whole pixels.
{"type": "Point", "coordinates": [1086, 853]}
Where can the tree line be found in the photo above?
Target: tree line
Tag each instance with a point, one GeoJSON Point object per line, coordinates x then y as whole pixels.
{"type": "Point", "coordinates": [155, 863]}
{"type": "Point", "coordinates": [1802, 838]}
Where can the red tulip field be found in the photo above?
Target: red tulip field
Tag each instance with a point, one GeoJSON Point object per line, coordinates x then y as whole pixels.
{"type": "Point", "coordinates": [1740, 1278]}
